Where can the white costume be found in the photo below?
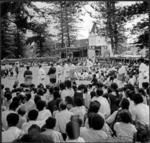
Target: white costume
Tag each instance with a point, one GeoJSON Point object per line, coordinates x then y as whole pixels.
{"type": "Point", "coordinates": [41, 76]}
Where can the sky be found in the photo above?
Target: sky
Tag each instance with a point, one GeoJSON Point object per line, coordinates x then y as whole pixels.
{"type": "Point", "coordinates": [87, 23]}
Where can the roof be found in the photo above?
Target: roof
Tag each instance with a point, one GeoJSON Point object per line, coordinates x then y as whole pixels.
{"type": "Point", "coordinates": [81, 43]}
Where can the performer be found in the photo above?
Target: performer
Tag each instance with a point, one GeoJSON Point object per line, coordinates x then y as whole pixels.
{"type": "Point", "coordinates": [41, 75]}
{"type": "Point", "coordinates": [52, 75]}
{"type": "Point", "coordinates": [28, 76]}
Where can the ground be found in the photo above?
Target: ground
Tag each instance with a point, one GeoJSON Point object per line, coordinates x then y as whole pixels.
{"type": "Point", "coordinates": [9, 81]}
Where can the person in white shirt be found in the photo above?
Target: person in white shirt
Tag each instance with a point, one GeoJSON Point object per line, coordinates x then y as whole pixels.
{"type": "Point", "coordinates": [12, 133]}
{"type": "Point", "coordinates": [32, 119]}
{"type": "Point", "coordinates": [43, 112]}
{"type": "Point", "coordinates": [140, 112]}
{"type": "Point", "coordinates": [62, 118]}
{"type": "Point", "coordinates": [94, 133]}
{"type": "Point", "coordinates": [68, 90]}
{"type": "Point", "coordinates": [105, 107]}
{"type": "Point", "coordinates": [73, 132]}
{"type": "Point", "coordinates": [41, 75]}
{"type": "Point", "coordinates": [79, 108]}
{"type": "Point", "coordinates": [49, 130]}
{"type": "Point", "coordinates": [124, 128]}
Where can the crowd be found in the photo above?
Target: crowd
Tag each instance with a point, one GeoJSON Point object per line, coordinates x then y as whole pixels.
{"type": "Point", "coordinates": [114, 107]}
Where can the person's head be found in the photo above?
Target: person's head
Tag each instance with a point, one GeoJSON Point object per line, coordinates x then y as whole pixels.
{"type": "Point", "coordinates": [40, 66]}
{"type": "Point", "coordinates": [21, 111]}
{"type": "Point", "coordinates": [69, 102]}
{"type": "Point", "coordinates": [62, 105]}
{"type": "Point", "coordinates": [93, 94]}
{"type": "Point", "coordinates": [142, 92]}
{"type": "Point", "coordinates": [40, 105]}
{"type": "Point", "coordinates": [95, 121]}
{"type": "Point", "coordinates": [14, 105]}
{"type": "Point", "coordinates": [68, 84]}
{"type": "Point", "coordinates": [56, 95]}
{"type": "Point", "coordinates": [94, 107]}
{"type": "Point", "coordinates": [125, 103]}
{"type": "Point", "coordinates": [73, 130]}
{"type": "Point", "coordinates": [125, 116]}
{"type": "Point", "coordinates": [8, 96]}
{"type": "Point", "coordinates": [114, 86]}
{"type": "Point", "coordinates": [12, 119]}
{"type": "Point", "coordinates": [32, 115]}
{"type": "Point", "coordinates": [50, 123]}
{"type": "Point", "coordinates": [99, 92]}
{"type": "Point", "coordinates": [137, 98]}
{"type": "Point", "coordinates": [34, 130]}
{"type": "Point", "coordinates": [51, 90]}
{"type": "Point", "coordinates": [145, 85]}
{"type": "Point", "coordinates": [28, 68]}
{"type": "Point", "coordinates": [78, 101]}
{"type": "Point", "coordinates": [62, 86]}
{"type": "Point", "coordinates": [28, 96]}
{"type": "Point", "coordinates": [37, 98]}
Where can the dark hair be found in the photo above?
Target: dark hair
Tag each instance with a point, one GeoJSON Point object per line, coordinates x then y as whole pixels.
{"type": "Point", "coordinates": [51, 90]}
{"type": "Point", "coordinates": [94, 107]}
{"type": "Point", "coordinates": [62, 105]}
{"type": "Point", "coordinates": [8, 96]}
{"type": "Point", "coordinates": [50, 123]}
{"type": "Point", "coordinates": [56, 95]}
{"type": "Point", "coordinates": [95, 121]}
{"type": "Point", "coordinates": [73, 130]}
{"type": "Point", "coordinates": [125, 116]}
{"type": "Point", "coordinates": [137, 98]}
{"type": "Point", "coordinates": [21, 111]}
{"type": "Point", "coordinates": [28, 67]}
{"type": "Point", "coordinates": [99, 92]}
{"type": "Point", "coordinates": [62, 86]}
{"type": "Point", "coordinates": [28, 96]}
{"type": "Point", "coordinates": [145, 85]}
{"type": "Point", "coordinates": [125, 103]}
{"type": "Point", "coordinates": [114, 86]}
{"type": "Point", "coordinates": [34, 127]}
{"type": "Point", "coordinates": [12, 119]}
{"type": "Point", "coordinates": [68, 83]}
{"type": "Point", "coordinates": [33, 114]}
{"type": "Point", "coordinates": [78, 101]}
{"type": "Point", "coordinates": [37, 98]}
{"type": "Point", "coordinates": [142, 92]}
{"type": "Point", "coordinates": [40, 105]}
{"type": "Point", "coordinates": [14, 105]}
{"type": "Point", "coordinates": [93, 94]}
{"type": "Point", "coordinates": [130, 93]}
{"type": "Point", "coordinates": [69, 100]}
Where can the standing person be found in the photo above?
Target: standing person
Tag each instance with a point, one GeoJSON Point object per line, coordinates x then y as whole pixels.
{"type": "Point", "coordinates": [52, 75]}
{"type": "Point", "coordinates": [17, 69]}
{"type": "Point", "coordinates": [28, 76]}
{"type": "Point", "coordinates": [41, 75]}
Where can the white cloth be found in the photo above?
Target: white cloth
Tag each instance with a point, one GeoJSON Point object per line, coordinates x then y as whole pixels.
{"type": "Point", "coordinates": [42, 76]}
{"type": "Point", "coordinates": [27, 125]}
{"type": "Point", "coordinates": [140, 113]}
{"type": "Point", "coordinates": [105, 107]}
{"type": "Point", "coordinates": [67, 92]}
{"type": "Point", "coordinates": [78, 140]}
{"type": "Point", "coordinates": [55, 135]}
{"type": "Point", "coordinates": [90, 135]}
{"type": "Point", "coordinates": [124, 130]}
{"type": "Point", "coordinates": [44, 115]}
{"type": "Point", "coordinates": [11, 134]}
{"type": "Point", "coordinates": [62, 118]}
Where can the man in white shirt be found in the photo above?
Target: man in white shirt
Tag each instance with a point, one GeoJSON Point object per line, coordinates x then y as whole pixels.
{"type": "Point", "coordinates": [12, 133]}
{"type": "Point", "coordinates": [32, 117]}
{"type": "Point", "coordinates": [140, 112]}
{"type": "Point", "coordinates": [105, 107]}
{"type": "Point", "coordinates": [41, 75]}
{"type": "Point", "coordinates": [62, 118]}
